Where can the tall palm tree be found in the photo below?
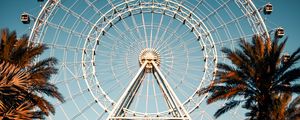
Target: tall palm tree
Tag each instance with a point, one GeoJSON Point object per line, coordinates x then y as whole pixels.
{"type": "Point", "coordinates": [257, 78]}
{"type": "Point", "coordinates": [23, 81]}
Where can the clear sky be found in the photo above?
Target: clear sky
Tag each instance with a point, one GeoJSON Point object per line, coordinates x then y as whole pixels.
{"type": "Point", "coordinates": [286, 14]}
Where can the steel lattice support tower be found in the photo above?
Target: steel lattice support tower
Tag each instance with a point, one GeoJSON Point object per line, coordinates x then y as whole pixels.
{"type": "Point", "coordinates": [149, 60]}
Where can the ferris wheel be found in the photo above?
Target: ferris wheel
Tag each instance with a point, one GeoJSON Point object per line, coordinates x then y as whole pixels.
{"type": "Point", "coordinates": [141, 59]}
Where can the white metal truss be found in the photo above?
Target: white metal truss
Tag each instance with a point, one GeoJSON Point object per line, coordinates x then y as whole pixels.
{"type": "Point", "coordinates": [176, 108]}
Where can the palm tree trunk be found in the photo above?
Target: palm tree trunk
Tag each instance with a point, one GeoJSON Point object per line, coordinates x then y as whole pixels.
{"type": "Point", "coordinates": [268, 110]}
{"type": "Point", "coordinates": [264, 106]}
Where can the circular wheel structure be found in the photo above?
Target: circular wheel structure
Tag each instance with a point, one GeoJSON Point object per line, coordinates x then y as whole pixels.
{"type": "Point", "coordinates": [141, 59]}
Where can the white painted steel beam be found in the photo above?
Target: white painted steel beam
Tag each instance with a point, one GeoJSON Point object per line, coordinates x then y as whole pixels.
{"type": "Point", "coordinates": [170, 92]}
{"type": "Point", "coordinates": [175, 106]}
{"type": "Point", "coordinates": [127, 97]}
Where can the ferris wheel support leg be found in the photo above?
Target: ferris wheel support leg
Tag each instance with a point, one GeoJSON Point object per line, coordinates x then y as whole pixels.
{"type": "Point", "coordinates": [126, 99]}
{"type": "Point", "coordinates": [169, 92]}
{"type": "Point", "coordinates": [173, 109]}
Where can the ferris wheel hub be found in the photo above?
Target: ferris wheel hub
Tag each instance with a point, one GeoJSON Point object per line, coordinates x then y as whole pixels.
{"type": "Point", "coordinates": [149, 55]}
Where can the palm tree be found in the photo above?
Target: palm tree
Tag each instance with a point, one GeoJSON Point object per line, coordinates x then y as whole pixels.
{"type": "Point", "coordinates": [22, 80]}
{"type": "Point", "coordinates": [292, 111]}
{"type": "Point", "coordinates": [257, 78]}
{"type": "Point", "coordinates": [13, 89]}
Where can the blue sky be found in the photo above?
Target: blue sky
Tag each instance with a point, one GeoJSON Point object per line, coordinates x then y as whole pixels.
{"type": "Point", "coordinates": [285, 14]}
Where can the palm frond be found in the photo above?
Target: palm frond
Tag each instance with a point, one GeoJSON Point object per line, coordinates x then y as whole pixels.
{"type": "Point", "coordinates": [50, 90]}
{"type": "Point", "coordinates": [51, 61]}
{"type": "Point", "coordinates": [44, 105]}
{"type": "Point", "coordinates": [13, 75]}
{"type": "Point", "coordinates": [223, 94]}
{"type": "Point", "coordinates": [7, 41]}
{"type": "Point", "coordinates": [247, 49]}
{"type": "Point", "coordinates": [23, 111]}
{"type": "Point", "coordinates": [287, 65]}
{"type": "Point", "coordinates": [233, 56]}
{"type": "Point", "coordinates": [33, 52]}
{"type": "Point", "coordinates": [295, 102]}
{"type": "Point", "coordinates": [293, 110]}
{"type": "Point", "coordinates": [22, 81]}
{"type": "Point", "coordinates": [295, 53]}
{"type": "Point", "coordinates": [8, 90]}
{"type": "Point", "coordinates": [285, 88]}
{"type": "Point", "coordinates": [259, 45]}
{"type": "Point", "coordinates": [258, 76]}
{"type": "Point", "coordinates": [228, 106]}
{"type": "Point", "coordinates": [289, 76]}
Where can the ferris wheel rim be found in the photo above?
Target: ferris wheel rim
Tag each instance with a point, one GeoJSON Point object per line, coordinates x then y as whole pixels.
{"type": "Point", "coordinates": [141, 8]}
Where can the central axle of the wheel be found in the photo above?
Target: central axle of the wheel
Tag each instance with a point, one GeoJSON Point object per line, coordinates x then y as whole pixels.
{"type": "Point", "coordinates": [148, 55]}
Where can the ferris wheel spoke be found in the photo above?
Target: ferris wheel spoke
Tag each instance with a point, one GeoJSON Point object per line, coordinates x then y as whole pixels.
{"type": "Point", "coordinates": [171, 77]}
{"type": "Point", "coordinates": [234, 39]}
{"type": "Point", "coordinates": [67, 30]}
{"type": "Point", "coordinates": [233, 21]}
{"type": "Point", "coordinates": [123, 35]}
{"type": "Point", "coordinates": [197, 5]}
{"type": "Point", "coordinates": [72, 99]}
{"type": "Point", "coordinates": [147, 94]}
{"type": "Point", "coordinates": [132, 33]}
{"type": "Point", "coordinates": [169, 92]}
{"type": "Point", "coordinates": [62, 47]}
{"type": "Point", "coordinates": [126, 99]}
{"type": "Point", "coordinates": [155, 96]}
{"type": "Point", "coordinates": [161, 38]}
{"type": "Point", "coordinates": [233, 16]}
{"type": "Point", "coordinates": [178, 38]}
{"type": "Point", "coordinates": [67, 80]}
{"type": "Point", "coordinates": [88, 106]}
{"type": "Point", "coordinates": [191, 41]}
{"type": "Point", "coordinates": [182, 92]}
{"type": "Point", "coordinates": [110, 85]}
{"type": "Point", "coordinates": [122, 73]}
{"type": "Point", "coordinates": [214, 11]}
{"type": "Point", "coordinates": [158, 29]}
{"type": "Point", "coordinates": [116, 42]}
{"type": "Point", "coordinates": [137, 97]}
{"type": "Point", "coordinates": [151, 31]}
{"type": "Point", "coordinates": [112, 88]}
{"type": "Point", "coordinates": [101, 115]}
{"type": "Point", "coordinates": [116, 78]}
{"type": "Point", "coordinates": [171, 42]}
{"type": "Point", "coordinates": [91, 4]}
{"type": "Point", "coordinates": [136, 27]}
{"type": "Point", "coordinates": [145, 30]}
{"type": "Point", "coordinates": [168, 37]}
{"type": "Point", "coordinates": [110, 3]}
{"type": "Point", "coordinates": [74, 96]}
{"type": "Point", "coordinates": [75, 14]}
{"type": "Point", "coordinates": [64, 112]}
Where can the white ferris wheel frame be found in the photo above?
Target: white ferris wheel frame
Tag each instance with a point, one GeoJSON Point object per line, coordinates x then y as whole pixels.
{"type": "Point", "coordinates": [118, 12]}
